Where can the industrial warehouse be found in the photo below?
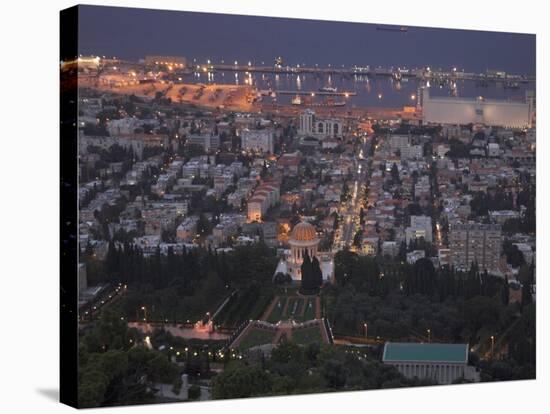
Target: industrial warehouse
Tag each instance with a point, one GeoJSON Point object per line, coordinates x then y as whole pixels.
{"type": "Point", "coordinates": [490, 112]}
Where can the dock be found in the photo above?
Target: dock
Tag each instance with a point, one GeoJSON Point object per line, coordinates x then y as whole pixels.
{"type": "Point", "coordinates": [315, 93]}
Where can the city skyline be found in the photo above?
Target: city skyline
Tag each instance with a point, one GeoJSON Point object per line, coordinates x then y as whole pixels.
{"type": "Point", "coordinates": [270, 226]}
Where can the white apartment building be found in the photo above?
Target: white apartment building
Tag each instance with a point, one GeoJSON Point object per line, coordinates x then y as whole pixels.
{"type": "Point", "coordinates": [258, 140]}
{"type": "Point", "coordinates": [421, 226]}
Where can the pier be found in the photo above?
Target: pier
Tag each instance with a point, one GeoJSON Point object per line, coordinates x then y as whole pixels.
{"type": "Point", "coordinates": [315, 93]}
{"type": "Point", "coordinates": [396, 73]}
{"type": "Point", "coordinates": [422, 73]}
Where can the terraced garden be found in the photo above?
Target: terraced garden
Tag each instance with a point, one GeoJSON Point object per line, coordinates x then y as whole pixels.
{"type": "Point", "coordinates": [257, 336]}
{"type": "Point", "coordinates": [306, 336]}
{"type": "Point", "coordinates": [291, 307]}
{"type": "Point", "coordinates": [278, 309]}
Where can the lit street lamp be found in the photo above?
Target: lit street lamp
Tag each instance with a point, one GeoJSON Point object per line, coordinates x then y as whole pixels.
{"type": "Point", "coordinates": [366, 329]}
{"type": "Point", "coordinates": [429, 331]}
{"type": "Point", "coordinates": [492, 346]}
{"type": "Point", "coordinates": [144, 309]}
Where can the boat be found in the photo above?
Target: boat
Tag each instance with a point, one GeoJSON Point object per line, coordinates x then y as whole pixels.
{"type": "Point", "coordinates": [511, 85]}
{"type": "Point", "coordinates": [297, 100]}
{"type": "Point", "coordinates": [402, 29]}
{"type": "Point", "coordinates": [397, 76]}
{"type": "Point", "coordinates": [328, 89]}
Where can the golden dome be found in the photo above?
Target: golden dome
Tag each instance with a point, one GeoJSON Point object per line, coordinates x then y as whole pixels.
{"type": "Point", "coordinates": [303, 232]}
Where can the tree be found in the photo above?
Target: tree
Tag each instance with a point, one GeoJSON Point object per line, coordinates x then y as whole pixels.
{"type": "Point", "coordinates": [395, 174]}
{"type": "Point", "coordinates": [241, 381]}
{"type": "Point", "coordinates": [161, 369]}
{"type": "Point", "coordinates": [317, 272]}
{"type": "Point", "coordinates": [361, 216]}
{"type": "Point", "coordinates": [358, 238]}
{"type": "Point", "coordinates": [308, 283]}
{"type": "Point", "coordinates": [526, 296]}
{"type": "Point", "coordinates": [335, 222]}
{"type": "Point", "coordinates": [91, 388]}
{"type": "Point", "coordinates": [422, 278]}
{"type": "Point", "coordinates": [458, 149]}
{"type": "Point", "coordinates": [335, 373]}
{"type": "Point", "coordinates": [282, 278]}
{"type": "Point", "coordinates": [506, 292]}
{"type": "Point", "coordinates": [112, 370]}
{"type": "Point", "coordinates": [481, 311]}
{"type": "Point", "coordinates": [112, 261]}
{"type": "Point", "coordinates": [203, 225]}
{"type": "Point", "coordinates": [194, 392]}
{"type": "Point", "coordinates": [345, 195]}
{"type": "Point", "coordinates": [514, 256]}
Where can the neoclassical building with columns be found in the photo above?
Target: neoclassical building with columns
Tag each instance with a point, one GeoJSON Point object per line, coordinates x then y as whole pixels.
{"type": "Point", "coordinates": [303, 238]}
{"type": "Point", "coordinates": [310, 125]}
{"type": "Point", "coordinates": [441, 363]}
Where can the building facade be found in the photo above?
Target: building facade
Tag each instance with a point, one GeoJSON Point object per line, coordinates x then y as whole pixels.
{"type": "Point", "coordinates": [441, 363]}
{"type": "Point", "coordinates": [421, 226]}
{"type": "Point", "coordinates": [303, 239]}
{"type": "Point", "coordinates": [257, 140]}
{"type": "Point", "coordinates": [475, 243]}
{"type": "Point", "coordinates": [265, 196]}
{"type": "Point", "coordinates": [492, 112]}
{"type": "Point", "coordinates": [310, 125]}
{"type": "Point", "coordinates": [206, 141]}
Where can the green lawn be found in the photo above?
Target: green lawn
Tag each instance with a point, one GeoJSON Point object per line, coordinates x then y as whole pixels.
{"type": "Point", "coordinates": [300, 305]}
{"type": "Point", "coordinates": [261, 304]}
{"type": "Point", "coordinates": [164, 304]}
{"type": "Point", "coordinates": [295, 308]}
{"type": "Point", "coordinates": [277, 312]}
{"type": "Point", "coordinates": [309, 313]}
{"type": "Point", "coordinates": [287, 290]}
{"type": "Point", "coordinates": [245, 305]}
{"type": "Point", "coordinates": [307, 335]}
{"type": "Point", "coordinates": [257, 337]}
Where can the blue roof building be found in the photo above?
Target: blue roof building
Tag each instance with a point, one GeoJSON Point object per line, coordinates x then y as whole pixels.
{"type": "Point", "coordinates": [441, 363]}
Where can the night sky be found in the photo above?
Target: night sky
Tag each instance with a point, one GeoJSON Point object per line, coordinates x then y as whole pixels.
{"type": "Point", "coordinates": [133, 33]}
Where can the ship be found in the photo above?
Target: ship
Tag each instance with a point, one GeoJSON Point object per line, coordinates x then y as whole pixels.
{"type": "Point", "coordinates": [401, 29]}
{"type": "Point", "coordinates": [328, 89]}
{"type": "Point", "coordinates": [511, 85]}
{"type": "Point", "coordinates": [297, 100]}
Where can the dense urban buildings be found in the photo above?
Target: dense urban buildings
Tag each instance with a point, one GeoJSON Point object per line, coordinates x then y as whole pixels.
{"type": "Point", "coordinates": [308, 226]}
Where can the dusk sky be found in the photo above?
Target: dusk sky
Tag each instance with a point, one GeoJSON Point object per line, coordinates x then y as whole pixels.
{"type": "Point", "coordinates": [133, 33]}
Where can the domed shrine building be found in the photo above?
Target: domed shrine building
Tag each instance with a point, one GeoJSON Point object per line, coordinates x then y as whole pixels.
{"type": "Point", "coordinates": [303, 238]}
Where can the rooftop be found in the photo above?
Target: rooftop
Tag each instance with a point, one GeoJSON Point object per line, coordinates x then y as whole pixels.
{"type": "Point", "coordinates": [304, 231]}
{"type": "Point", "coordinates": [425, 352]}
